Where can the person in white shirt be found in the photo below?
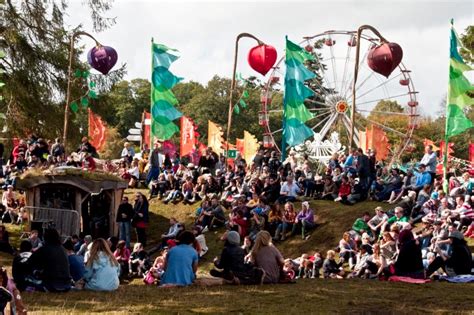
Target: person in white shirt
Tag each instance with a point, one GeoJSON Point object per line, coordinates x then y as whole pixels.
{"type": "Point", "coordinates": [377, 221]}
{"type": "Point", "coordinates": [289, 190]}
{"type": "Point", "coordinates": [430, 160]}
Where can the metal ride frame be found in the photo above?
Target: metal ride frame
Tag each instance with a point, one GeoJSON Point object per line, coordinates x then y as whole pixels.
{"type": "Point", "coordinates": [329, 112]}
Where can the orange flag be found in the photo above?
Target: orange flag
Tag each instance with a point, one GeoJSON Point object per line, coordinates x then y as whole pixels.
{"type": "Point", "coordinates": [431, 143]}
{"type": "Point", "coordinates": [97, 130]}
{"type": "Point", "coordinates": [188, 136]}
{"type": "Point", "coordinates": [239, 145]}
{"type": "Point", "coordinates": [250, 146]}
{"type": "Point", "coordinates": [214, 137]}
{"type": "Point", "coordinates": [379, 143]}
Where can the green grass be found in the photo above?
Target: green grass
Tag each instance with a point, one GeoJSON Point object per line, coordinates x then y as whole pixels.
{"type": "Point", "coordinates": [306, 296]}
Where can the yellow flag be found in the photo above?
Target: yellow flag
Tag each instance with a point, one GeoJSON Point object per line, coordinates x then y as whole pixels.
{"type": "Point", "coordinates": [250, 147]}
{"type": "Point", "coordinates": [214, 137]}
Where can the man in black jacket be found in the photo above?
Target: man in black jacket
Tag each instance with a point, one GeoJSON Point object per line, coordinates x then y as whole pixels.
{"type": "Point", "coordinates": [124, 218]}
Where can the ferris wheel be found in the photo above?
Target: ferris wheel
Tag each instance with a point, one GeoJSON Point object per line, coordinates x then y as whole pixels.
{"type": "Point", "coordinates": [334, 68]}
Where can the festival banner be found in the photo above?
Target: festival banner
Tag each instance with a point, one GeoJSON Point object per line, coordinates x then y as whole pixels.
{"type": "Point", "coordinates": [163, 100]}
{"type": "Point", "coordinates": [215, 138]}
{"type": "Point", "coordinates": [376, 139]}
{"type": "Point", "coordinates": [442, 146]}
{"type": "Point", "coordinates": [471, 152]}
{"type": "Point", "coordinates": [250, 146]}
{"type": "Point", "coordinates": [188, 136]}
{"type": "Point", "coordinates": [97, 130]}
{"type": "Point", "coordinates": [239, 145]}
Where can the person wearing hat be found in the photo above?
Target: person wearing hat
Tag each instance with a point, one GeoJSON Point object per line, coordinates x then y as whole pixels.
{"type": "Point", "coordinates": [376, 222]}
{"type": "Point", "coordinates": [232, 265]}
{"type": "Point", "coordinates": [304, 221]}
{"type": "Point", "coordinates": [459, 260]}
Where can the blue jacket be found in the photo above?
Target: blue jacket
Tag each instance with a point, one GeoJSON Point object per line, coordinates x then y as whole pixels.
{"type": "Point", "coordinates": [102, 275]}
{"type": "Point", "coordinates": [422, 179]}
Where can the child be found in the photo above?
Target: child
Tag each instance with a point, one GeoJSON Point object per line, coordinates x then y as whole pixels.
{"type": "Point", "coordinates": [157, 270]}
{"type": "Point", "coordinates": [122, 254]}
{"type": "Point", "coordinates": [139, 262]}
{"type": "Point", "coordinates": [332, 269]}
{"type": "Point", "coordinates": [34, 240]}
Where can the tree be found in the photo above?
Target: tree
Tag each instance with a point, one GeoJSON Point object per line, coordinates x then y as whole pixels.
{"type": "Point", "coordinates": [36, 43]}
{"type": "Point", "coordinates": [467, 40]}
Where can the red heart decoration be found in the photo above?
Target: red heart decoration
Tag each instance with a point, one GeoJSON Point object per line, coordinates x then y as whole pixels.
{"type": "Point", "coordinates": [262, 58]}
{"type": "Point", "coordinates": [385, 58]}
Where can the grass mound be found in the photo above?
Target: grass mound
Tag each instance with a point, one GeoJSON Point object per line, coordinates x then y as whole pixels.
{"type": "Point", "coordinates": [306, 296]}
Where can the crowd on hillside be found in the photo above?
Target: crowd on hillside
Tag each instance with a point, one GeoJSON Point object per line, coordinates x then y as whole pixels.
{"type": "Point", "coordinates": [255, 204]}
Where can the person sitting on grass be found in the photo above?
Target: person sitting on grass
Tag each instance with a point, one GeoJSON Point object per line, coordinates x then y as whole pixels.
{"type": "Point", "coordinates": [376, 222]}
{"type": "Point", "coordinates": [332, 269]}
{"type": "Point", "coordinates": [459, 260]}
{"type": "Point", "coordinates": [275, 217]}
{"type": "Point", "coordinates": [35, 240]}
{"type": "Point", "coordinates": [102, 268]}
{"type": "Point", "coordinates": [76, 263]}
{"type": "Point", "coordinates": [330, 189]}
{"type": "Point", "coordinates": [289, 217]}
{"type": "Point", "coordinates": [187, 190]}
{"type": "Point", "coordinates": [214, 217]}
{"type": "Point", "coordinates": [139, 262]}
{"type": "Point", "coordinates": [181, 262]}
{"type": "Point", "coordinates": [304, 221]}
{"type": "Point", "coordinates": [361, 226]}
{"type": "Point", "coordinates": [173, 231]}
{"type": "Point", "coordinates": [348, 249]}
{"type": "Point", "coordinates": [361, 268]}
{"type": "Point", "coordinates": [398, 219]}
{"type": "Point", "coordinates": [50, 264]}
{"type": "Point", "coordinates": [288, 191]}
{"type": "Point", "coordinates": [344, 190]}
{"type": "Point", "coordinates": [266, 256]}
{"type": "Point", "coordinates": [122, 254]}
{"type": "Point", "coordinates": [409, 262]}
{"type": "Point", "coordinates": [234, 270]}
{"type": "Point", "coordinates": [20, 270]}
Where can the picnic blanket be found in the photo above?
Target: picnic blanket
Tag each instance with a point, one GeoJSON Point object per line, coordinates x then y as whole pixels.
{"type": "Point", "coordinates": [407, 279]}
{"type": "Point", "coordinates": [458, 278]}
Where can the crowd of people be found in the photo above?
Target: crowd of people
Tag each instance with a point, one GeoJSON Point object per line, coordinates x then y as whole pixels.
{"type": "Point", "coordinates": [256, 205]}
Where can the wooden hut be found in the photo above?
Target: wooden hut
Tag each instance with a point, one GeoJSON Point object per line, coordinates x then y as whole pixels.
{"type": "Point", "coordinates": [73, 200]}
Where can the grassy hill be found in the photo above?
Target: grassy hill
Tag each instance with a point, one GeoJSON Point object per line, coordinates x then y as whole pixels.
{"type": "Point", "coordinates": [306, 296]}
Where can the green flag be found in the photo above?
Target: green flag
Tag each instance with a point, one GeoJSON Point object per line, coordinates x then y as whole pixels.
{"type": "Point", "coordinates": [458, 100]}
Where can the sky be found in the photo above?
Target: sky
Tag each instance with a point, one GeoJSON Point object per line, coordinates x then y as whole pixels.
{"type": "Point", "coordinates": [204, 32]}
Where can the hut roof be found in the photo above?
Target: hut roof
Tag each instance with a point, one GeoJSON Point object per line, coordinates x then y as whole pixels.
{"type": "Point", "coordinates": [92, 182]}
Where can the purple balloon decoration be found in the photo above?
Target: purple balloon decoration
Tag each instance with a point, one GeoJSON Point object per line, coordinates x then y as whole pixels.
{"type": "Point", "coordinates": [102, 58]}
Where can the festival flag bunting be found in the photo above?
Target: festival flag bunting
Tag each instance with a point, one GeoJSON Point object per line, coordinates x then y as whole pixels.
{"type": "Point", "coordinates": [97, 130]}
{"type": "Point", "coordinates": [458, 100]}
{"type": "Point", "coordinates": [188, 136]}
{"type": "Point", "coordinates": [215, 137]}
{"type": "Point", "coordinates": [471, 153]}
{"type": "Point", "coordinates": [431, 143]}
{"type": "Point", "coordinates": [250, 146]}
{"type": "Point", "coordinates": [162, 98]}
{"type": "Point", "coordinates": [295, 113]}
{"type": "Point", "coordinates": [375, 138]}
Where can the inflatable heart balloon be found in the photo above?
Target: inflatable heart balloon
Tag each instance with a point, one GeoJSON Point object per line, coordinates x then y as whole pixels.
{"type": "Point", "coordinates": [102, 58]}
{"type": "Point", "coordinates": [385, 58]}
{"type": "Point", "coordinates": [262, 58]}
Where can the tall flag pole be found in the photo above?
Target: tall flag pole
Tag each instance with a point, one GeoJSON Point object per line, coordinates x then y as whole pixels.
{"type": "Point", "coordinates": [458, 100]}
{"type": "Point", "coordinates": [295, 113]}
{"type": "Point", "coordinates": [163, 100]}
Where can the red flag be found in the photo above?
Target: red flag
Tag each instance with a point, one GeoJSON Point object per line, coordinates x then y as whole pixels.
{"type": "Point", "coordinates": [239, 144]}
{"type": "Point", "coordinates": [188, 136]}
{"type": "Point", "coordinates": [450, 149]}
{"type": "Point", "coordinates": [97, 131]}
{"type": "Point", "coordinates": [471, 152]}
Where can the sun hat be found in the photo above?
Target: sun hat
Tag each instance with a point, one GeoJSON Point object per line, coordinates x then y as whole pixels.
{"type": "Point", "coordinates": [434, 195]}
